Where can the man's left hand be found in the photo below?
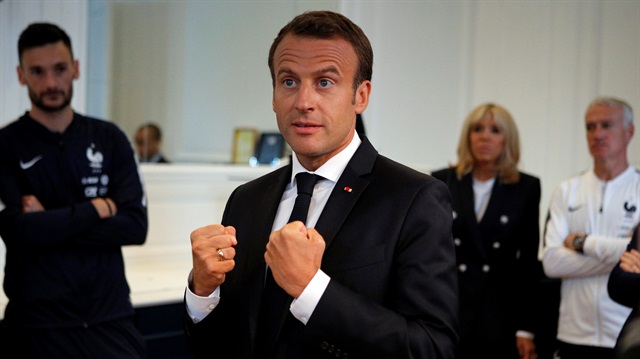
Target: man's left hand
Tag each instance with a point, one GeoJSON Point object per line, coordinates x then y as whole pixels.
{"type": "Point", "coordinates": [526, 348]}
{"type": "Point", "coordinates": [294, 255]}
{"type": "Point", "coordinates": [30, 204]}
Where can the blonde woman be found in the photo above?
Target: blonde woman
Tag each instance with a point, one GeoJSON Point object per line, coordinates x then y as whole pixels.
{"type": "Point", "coordinates": [496, 234]}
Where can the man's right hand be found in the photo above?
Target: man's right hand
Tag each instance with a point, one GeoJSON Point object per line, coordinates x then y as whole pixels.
{"type": "Point", "coordinates": [630, 261]}
{"type": "Point", "coordinates": [30, 204]}
{"type": "Point", "coordinates": [212, 252]}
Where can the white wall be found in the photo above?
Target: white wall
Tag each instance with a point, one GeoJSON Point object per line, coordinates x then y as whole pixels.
{"type": "Point", "coordinates": [544, 61]}
{"type": "Point", "coordinates": [199, 69]}
{"type": "Point", "coordinates": [15, 16]}
{"type": "Point", "coordinates": [206, 72]}
{"type": "Point", "coordinates": [434, 61]}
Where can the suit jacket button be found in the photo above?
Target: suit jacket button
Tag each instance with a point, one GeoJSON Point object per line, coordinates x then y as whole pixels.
{"type": "Point", "coordinates": [496, 245]}
{"type": "Point", "coordinates": [462, 267]}
{"type": "Point", "coordinates": [457, 242]}
{"type": "Point", "coordinates": [486, 268]}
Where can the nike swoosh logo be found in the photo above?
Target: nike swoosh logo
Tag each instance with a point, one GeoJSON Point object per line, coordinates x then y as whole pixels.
{"type": "Point", "coordinates": [27, 165]}
{"type": "Point", "coordinates": [573, 209]}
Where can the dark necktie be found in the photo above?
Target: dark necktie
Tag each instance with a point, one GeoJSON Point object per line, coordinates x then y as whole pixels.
{"type": "Point", "coordinates": [305, 183]}
{"type": "Point", "coordinates": [275, 299]}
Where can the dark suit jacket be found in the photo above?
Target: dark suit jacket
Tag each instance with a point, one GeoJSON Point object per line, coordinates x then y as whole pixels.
{"type": "Point", "coordinates": [624, 288]}
{"type": "Point", "coordinates": [497, 260]}
{"type": "Point", "coordinates": [389, 253]}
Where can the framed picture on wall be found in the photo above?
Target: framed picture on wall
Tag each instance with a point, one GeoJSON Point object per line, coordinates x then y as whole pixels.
{"type": "Point", "coordinates": [244, 144]}
{"type": "Point", "coordinates": [269, 150]}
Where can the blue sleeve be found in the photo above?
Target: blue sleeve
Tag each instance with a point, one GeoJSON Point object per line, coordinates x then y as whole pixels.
{"type": "Point", "coordinates": [76, 222]}
{"type": "Point", "coordinates": [623, 286]}
{"type": "Point", "coordinates": [130, 224]}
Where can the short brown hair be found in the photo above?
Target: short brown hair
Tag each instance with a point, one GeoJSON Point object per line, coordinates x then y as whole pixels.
{"type": "Point", "coordinates": [329, 25]}
{"type": "Point", "coordinates": [153, 129]}
{"type": "Point", "coordinates": [40, 34]}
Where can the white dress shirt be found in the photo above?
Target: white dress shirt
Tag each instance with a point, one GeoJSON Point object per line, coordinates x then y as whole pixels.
{"type": "Point", "coordinates": [302, 307]}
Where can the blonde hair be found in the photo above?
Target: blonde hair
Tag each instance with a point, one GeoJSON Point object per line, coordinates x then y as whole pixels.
{"type": "Point", "coordinates": [507, 166]}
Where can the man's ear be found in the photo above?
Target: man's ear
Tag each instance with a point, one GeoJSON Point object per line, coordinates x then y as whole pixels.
{"type": "Point", "coordinates": [273, 100]}
{"type": "Point", "coordinates": [76, 69]}
{"type": "Point", "coordinates": [21, 75]}
{"type": "Point", "coordinates": [361, 100]}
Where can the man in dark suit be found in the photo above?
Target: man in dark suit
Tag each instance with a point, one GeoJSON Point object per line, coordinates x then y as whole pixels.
{"type": "Point", "coordinates": [148, 141]}
{"type": "Point", "coordinates": [371, 273]}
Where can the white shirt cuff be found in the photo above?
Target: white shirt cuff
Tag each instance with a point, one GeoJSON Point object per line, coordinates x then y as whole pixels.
{"type": "Point", "coordinates": [303, 307]}
{"type": "Point", "coordinates": [199, 307]}
{"type": "Point", "coordinates": [524, 334]}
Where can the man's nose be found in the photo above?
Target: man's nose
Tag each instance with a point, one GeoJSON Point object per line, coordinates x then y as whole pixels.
{"type": "Point", "coordinates": [50, 79]}
{"type": "Point", "coordinates": [305, 98]}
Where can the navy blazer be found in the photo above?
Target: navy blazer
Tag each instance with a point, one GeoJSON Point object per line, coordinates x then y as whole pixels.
{"type": "Point", "coordinates": [390, 256]}
{"type": "Point", "coordinates": [498, 268]}
{"type": "Point", "coordinates": [624, 288]}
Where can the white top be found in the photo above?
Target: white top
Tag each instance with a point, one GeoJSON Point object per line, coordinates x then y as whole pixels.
{"type": "Point", "coordinates": [607, 211]}
{"type": "Point", "coordinates": [481, 195]}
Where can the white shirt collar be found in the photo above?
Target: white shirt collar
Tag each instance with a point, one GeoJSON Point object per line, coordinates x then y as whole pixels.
{"type": "Point", "coordinates": [333, 168]}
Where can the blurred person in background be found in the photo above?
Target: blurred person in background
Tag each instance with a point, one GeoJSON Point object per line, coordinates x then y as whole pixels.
{"type": "Point", "coordinates": [496, 235]}
{"type": "Point", "coordinates": [591, 219]}
{"type": "Point", "coordinates": [148, 141]}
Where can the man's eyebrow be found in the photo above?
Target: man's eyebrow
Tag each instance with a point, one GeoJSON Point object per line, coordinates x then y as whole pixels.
{"type": "Point", "coordinates": [57, 64]}
{"type": "Point", "coordinates": [328, 69]}
{"type": "Point", "coordinates": [284, 70]}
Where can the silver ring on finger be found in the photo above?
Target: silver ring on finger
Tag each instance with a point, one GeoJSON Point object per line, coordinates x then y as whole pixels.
{"type": "Point", "coordinates": [221, 254]}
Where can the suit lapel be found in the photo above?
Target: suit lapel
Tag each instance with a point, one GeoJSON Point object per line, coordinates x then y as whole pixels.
{"type": "Point", "coordinates": [493, 207]}
{"type": "Point", "coordinates": [269, 203]}
{"type": "Point", "coordinates": [346, 192]}
{"type": "Point", "coordinates": [495, 213]}
{"type": "Point", "coordinates": [467, 204]}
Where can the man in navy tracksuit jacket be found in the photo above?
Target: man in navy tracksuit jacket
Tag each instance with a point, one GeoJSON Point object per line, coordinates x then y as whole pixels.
{"type": "Point", "coordinates": [70, 197]}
